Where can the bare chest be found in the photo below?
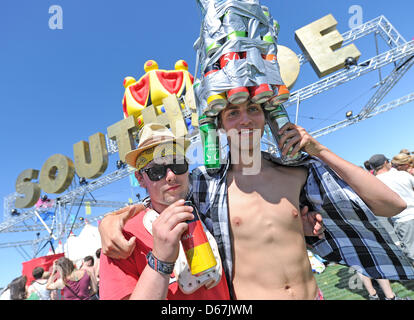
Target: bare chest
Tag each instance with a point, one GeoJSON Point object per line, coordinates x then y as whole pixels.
{"type": "Point", "coordinates": [263, 207]}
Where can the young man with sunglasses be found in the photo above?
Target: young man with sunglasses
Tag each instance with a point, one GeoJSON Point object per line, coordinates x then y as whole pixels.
{"type": "Point", "coordinates": [157, 268]}
{"type": "Point", "coordinates": [165, 182]}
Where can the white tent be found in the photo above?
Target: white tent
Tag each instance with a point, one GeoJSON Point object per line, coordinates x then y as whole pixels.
{"type": "Point", "coordinates": [78, 247]}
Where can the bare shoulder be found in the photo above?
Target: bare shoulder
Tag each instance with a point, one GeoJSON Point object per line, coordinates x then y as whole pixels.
{"type": "Point", "coordinates": [77, 274]}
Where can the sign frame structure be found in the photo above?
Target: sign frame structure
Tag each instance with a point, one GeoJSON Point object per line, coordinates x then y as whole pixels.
{"type": "Point", "coordinates": [400, 53]}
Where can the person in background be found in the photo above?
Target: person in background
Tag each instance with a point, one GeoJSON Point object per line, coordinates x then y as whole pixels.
{"type": "Point", "coordinates": [96, 265]}
{"type": "Point", "coordinates": [76, 284]}
{"type": "Point", "coordinates": [411, 169]}
{"type": "Point", "coordinates": [18, 288]}
{"type": "Point", "coordinates": [368, 167]}
{"type": "Point", "coordinates": [385, 285]}
{"type": "Point", "coordinates": [402, 162]}
{"type": "Point", "coordinates": [38, 287]}
{"type": "Point", "coordinates": [405, 151]}
{"type": "Point", "coordinates": [89, 265]}
{"type": "Point", "coordinates": [5, 293]}
{"type": "Point", "coordinates": [402, 183]}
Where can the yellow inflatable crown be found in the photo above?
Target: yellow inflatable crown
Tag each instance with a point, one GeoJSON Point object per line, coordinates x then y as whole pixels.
{"type": "Point", "coordinates": [153, 87]}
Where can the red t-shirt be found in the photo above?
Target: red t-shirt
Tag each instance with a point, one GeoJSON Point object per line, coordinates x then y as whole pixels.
{"type": "Point", "coordinates": [118, 278]}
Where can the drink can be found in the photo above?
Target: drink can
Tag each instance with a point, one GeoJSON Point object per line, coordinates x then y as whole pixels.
{"type": "Point", "coordinates": [197, 249]}
{"type": "Point", "coordinates": [211, 69]}
{"type": "Point", "coordinates": [211, 143]}
{"type": "Point", "coordinates": [276, 119]}
{"type": "Point", "coordinates": [212, 45]}
{"type": "Point", "coordinates": [226, 58]}
{"type": "Point", "coordinates": [235, 95]}
{"type": "Point", "coordinates": [276, 26]}
{"type": "Point", "coordinates": [261, 93]}
{"type": "Point", "coordinates": [282, 95]}
{"type": "Point", "coordinates": [234, 25]}
{"type": "Point", "coordinates": [215, 102]}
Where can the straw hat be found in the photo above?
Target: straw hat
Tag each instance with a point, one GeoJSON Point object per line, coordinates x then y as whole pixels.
{"type": "Point", "coordinates": [401, 158]}
{"type": "Point", "coordinates": [151, 135]}
{"type": "Point", "coordinates": [405, 151]}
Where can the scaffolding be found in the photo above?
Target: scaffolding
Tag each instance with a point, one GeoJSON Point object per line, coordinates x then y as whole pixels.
{"type": "Point", "coordinates": [400, 53]}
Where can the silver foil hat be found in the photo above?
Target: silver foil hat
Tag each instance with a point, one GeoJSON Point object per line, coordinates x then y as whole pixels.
{"type": "Point", "coordinates": [227, 27]}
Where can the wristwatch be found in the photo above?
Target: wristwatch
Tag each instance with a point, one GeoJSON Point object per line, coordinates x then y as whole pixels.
{"type": "Point", "coordinates": [160, 266]}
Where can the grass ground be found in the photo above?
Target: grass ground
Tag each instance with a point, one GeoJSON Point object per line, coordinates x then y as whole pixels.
{"type": "Point", "coordinates": [338, 282]}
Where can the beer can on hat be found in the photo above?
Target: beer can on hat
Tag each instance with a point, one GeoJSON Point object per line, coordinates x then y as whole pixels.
{"type": "Point", "coordinates": [212, 45]}
{"type": "Point", "coordinates": [236, 95]}
{"type": "Point", "coordinates": [280, 92]}
{"type": "Point", "coordinates": [211, 69]}
{"type": "Point", "coordinates": [261, 93]}
{"type": "Point", "coordinates": [210, 112]}
{"type": "Point", "coordinates": [276, 119]}
{"type": "Point", "coordinates": [268, 106]}
{"type": "Point", "coordinates": [211, 143]}
{"type": "Point", "coordinates": [274, 23]}
{"type": "Point", "coordinates": [215, 102]}
{"type": "Point", "coordinates": [235, 27]}
{"type": "Point", "coordinates": [276, 26]}
{"type": "Point", "coordinates": [197, 249]}
{"type": "Point", "coordinates": [271, 54]}
{"type": "Point", "coordinates": [282, 95]}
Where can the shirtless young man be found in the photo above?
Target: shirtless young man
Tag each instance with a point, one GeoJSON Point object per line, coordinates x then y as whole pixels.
{"type": "Point", "coordinates": [266, 257]}
{"type": "Point", "coordinates": [269, 252]}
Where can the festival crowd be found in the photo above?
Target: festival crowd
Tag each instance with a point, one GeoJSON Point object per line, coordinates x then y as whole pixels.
{"type": "Point", "coordinates": [63, 281]}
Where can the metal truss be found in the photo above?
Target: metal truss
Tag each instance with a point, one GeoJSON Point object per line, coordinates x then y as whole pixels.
{"type": "Point", "coordinates": [22, 243]}
{"type": "Point", "coordinates": [400, 53]}
{"type": "Point", "coordinates": [344, 76]}
{"type": "Point", "coordinates": [387, 84]}
{"type": "Point", "coordinates": [77, 202]}
{"type": "Point", "coordinates": [379, 25]}
{"type": "Point", "coordinates": [70, 198]}
{"type": "Point", "coordinates": [358, 118]}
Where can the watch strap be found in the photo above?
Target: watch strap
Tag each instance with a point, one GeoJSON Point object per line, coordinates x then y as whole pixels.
{"type": "Point", "coordinates": [160, 266]}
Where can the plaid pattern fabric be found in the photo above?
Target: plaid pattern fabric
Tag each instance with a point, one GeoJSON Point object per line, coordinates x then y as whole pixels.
{"type": "Point", "coordinates": [353, 236]}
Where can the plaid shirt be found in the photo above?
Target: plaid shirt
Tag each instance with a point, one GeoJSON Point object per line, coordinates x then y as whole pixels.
{"type": "Point", "coordinates": [353, 236]}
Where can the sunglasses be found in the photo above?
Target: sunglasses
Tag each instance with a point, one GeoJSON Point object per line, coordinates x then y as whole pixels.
{"type": "Point", "coordinates": [157, 172]}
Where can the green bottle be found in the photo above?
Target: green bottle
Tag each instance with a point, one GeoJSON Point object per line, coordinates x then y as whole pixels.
{"type": "Point", "coordinates": [211, 143]}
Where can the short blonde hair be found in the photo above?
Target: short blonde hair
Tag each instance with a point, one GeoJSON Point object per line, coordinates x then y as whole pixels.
{"type": "Point", "coordinates": [401, 158]}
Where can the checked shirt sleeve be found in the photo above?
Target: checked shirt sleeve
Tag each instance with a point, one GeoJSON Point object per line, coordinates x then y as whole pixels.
{"type": "Point", "coordinates": [353, 236]}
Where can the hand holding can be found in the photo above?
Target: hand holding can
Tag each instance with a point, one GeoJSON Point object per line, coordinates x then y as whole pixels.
{"type": "Point", "coordinates": [197, 249]}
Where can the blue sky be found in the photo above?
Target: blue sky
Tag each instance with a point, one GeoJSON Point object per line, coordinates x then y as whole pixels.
{"type": "Point", "coordinates": [58, 87]}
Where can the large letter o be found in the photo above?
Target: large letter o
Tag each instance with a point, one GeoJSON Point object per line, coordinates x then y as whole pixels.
{"type": "Point", "coordinates": [56, 174]}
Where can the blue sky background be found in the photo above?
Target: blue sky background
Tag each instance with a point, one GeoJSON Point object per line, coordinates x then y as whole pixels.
{"type": "Point", "coordinates": [58, 87]}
